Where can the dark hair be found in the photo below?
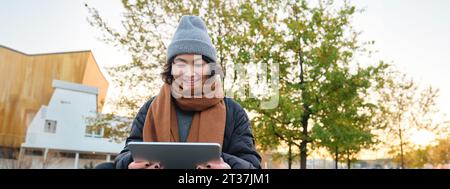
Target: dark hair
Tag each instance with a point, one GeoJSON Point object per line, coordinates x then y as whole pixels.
{"type": "Point", "coordinates": [167, 76]}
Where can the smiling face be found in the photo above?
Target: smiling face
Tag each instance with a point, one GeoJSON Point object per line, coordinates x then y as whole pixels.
{"type": "Point", "coordinates": [190, 70]}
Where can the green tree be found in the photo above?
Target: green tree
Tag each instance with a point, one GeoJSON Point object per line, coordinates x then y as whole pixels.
{"type": "Point", "coordinates": [440, 154]}
{"type": "Point", "coordinates": [433, 154]}
{"type": "Point", "coordinates": [344, 142]}
{"type": "Point", "coordinates": [406, 109]}
{"type": "Point", "coordinates": [317, 84]}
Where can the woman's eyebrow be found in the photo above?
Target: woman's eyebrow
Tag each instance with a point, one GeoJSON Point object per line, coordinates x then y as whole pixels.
{"type": "Point", "coordinates": [198, 60]}
{"type": "Point", "coordinates": [180, 59]}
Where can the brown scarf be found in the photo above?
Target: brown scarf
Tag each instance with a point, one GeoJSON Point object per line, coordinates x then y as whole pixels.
{"type": "Point", "coordinates": [208, 122]}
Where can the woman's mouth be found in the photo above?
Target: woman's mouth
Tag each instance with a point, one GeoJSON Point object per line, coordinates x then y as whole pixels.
{"type": "Point", "coordinates": [192, 81]}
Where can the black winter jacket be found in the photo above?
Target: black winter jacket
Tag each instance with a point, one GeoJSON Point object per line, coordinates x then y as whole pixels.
{"type": "Point", "coordinates": [238, 148]}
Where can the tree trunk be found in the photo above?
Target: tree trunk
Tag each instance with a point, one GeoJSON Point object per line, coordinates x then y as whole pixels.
{"type": "Point", "coordinates": [221, 56]}
{"type": "Point", "coordinates": [402, 163]}
{"type": "Point", "coordinates": [304, 143]}
{"type": "Point", "coordinates": [306, 113]}
{"type": "Point", "coordinates": [303, 154]}
{"type": "Point", "coordinates": [304, 138]}
{"type": "Point", "coordinates": [348, 159]}
{"type": "Point", "coordinates": [290, 155]}
{"type": "Point", "coordinates": [336, 160]}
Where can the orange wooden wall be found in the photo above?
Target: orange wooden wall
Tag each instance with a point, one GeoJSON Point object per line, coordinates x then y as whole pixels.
{"type": "Point", "coordinates": [26, 85]}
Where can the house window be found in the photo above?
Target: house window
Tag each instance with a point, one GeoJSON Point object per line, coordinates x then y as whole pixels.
{"type": "Point", "coordinates": [50, 126]}
{"type": "Point", "coordinates": [65, 102]}
{"type": "Point", "coordinates": [94, 131]}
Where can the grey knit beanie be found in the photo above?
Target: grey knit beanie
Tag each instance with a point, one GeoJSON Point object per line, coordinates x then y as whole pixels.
{"type": "Point", "coordinates": [191, 37]}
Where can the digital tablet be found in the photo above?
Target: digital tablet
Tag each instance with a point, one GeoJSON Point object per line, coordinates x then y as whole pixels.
{"type": "Point", "coordinates": [175, 155]}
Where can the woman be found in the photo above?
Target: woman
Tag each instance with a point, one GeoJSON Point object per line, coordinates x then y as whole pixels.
{"type": "Point", "coordinates": [191, 107]}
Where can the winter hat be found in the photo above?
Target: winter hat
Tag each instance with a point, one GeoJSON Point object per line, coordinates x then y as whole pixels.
{"type": "Point", "coordinates": [191, 37]}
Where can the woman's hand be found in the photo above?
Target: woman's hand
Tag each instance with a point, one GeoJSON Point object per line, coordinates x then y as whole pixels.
{"type": "Point", "coordinates": [144, 165]}
{"type": "Point", "coordinates": [217, 164]}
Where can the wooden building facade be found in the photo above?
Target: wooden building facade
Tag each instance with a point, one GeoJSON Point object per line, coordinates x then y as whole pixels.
{"type": "Point", "coordinates": [26, 85]}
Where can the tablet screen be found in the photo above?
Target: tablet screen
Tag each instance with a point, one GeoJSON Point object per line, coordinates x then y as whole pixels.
{"type": "Point", "coordinates": [175, 155]}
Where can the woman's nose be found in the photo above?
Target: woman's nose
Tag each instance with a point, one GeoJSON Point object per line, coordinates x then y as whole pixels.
{"type": "Point", "coordinates": [192, 70]}
{"type": "Point", "coordinates": [187, 71]}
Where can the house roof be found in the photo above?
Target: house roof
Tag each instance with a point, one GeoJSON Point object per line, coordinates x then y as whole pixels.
{"type": "Point", "coordinates": [40, 54]}
{"type": "Point", "coordinates": [74, 87]}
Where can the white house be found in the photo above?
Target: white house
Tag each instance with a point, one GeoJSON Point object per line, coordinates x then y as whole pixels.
{"type": "Point", "coordinates": [61, 126]}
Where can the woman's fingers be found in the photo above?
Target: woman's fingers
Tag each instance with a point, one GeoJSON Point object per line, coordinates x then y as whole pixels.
{"type": "Point", "coordinates": [138, 165]}
{"type": "Point", "coordinates": [155, 166]}
{"type": "Point", "coordinates": [144, 165]}
{"type": "Point", "coordinates": [204, 166]}
{"type": "Point", "coordinates": [201, 167]}
{"type": "Point", "coordinates": [217, 164]}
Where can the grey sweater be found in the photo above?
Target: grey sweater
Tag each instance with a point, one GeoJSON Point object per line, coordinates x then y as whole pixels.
{"type": "Point", "coordinates": [184, 119]}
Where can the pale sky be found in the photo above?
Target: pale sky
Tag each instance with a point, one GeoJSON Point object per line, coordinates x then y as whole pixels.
{"type": "Point", "coordinates": [414, 35]}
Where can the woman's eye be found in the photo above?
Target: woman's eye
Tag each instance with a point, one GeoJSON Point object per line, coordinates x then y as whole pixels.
{"type": "Point", "coordinates": [180, 65]}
